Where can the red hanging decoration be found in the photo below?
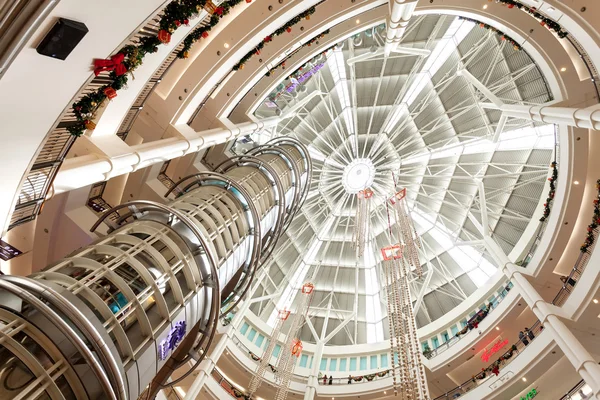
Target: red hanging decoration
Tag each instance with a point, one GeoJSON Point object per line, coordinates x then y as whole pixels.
{"type": "Point", "coordinates": [248, 1]}
{"type": "Point", "coordinates": [177, 23]}
{"type": "Point", "coordinates": [114, 63]}
{"type": "Point", "coordinates": [511, 6]}
{"type": "Point", "coordinates": [204, 34]}
{"type": "Point", "coordinates": [296, 347]}
{"type": "Point", "coordinates": [308, 288]}
{"type": "Point", "coordinates": [288, 29]}
{"type": "Point", "coordinates": [164, 36]}
{"type": "Point", "coordinates": [110, 92]}
{"type": "Point", "coordinates": [219, 11]}
{"type": "Point", "coordinates": [268, 39]}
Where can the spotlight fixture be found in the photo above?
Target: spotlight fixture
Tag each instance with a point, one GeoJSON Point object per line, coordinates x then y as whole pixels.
{"type": "Point", "coordinates": [497, 328]}
{"type": "Point", "coordinates": [226, 45]}
{"type": "Point", "coordinates": [595, 301]}
{"type": "Point", "coordinates": [485, 6]}
{"type": "Point", "coordinates": [358, 21]}
{"type": "Point", "coordinates": [575, 182]}
{"type": "Point", "coordinates": [524, 379]}
{"type": "Point", "coordinates": [563, 69]}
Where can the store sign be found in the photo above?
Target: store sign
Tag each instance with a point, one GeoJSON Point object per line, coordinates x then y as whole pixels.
{"type": "Point", "coordinates": [532, 393]}
{"type": "Point", "coordinates": [8, 252]}
{"type": "Point", "coordinates": [168, 344]}
{"type": "Point", "coordinates": [485, 357]}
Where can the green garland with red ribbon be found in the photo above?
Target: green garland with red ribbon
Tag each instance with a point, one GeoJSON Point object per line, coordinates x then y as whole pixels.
{"type": "Point", "coordinates": [494, 368]}
{"type": "Point", "coordinates": [544, 21]}
{"type": "Point", "coordinates": [175, 14]}
{"type": "Point", "coordinates": [503, 36]}
{"type": "Point", "coordinates": [590, 238]}
{"type": "Point", "coordinates": [287, 27]}
{"type": "Point", "coordinates": [238, 394]}
{"type": "Point", "coordinates": [551, 192]}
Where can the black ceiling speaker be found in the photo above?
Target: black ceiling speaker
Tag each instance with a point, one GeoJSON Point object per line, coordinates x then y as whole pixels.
{"type": "Point", "coordinates": [62, 39]}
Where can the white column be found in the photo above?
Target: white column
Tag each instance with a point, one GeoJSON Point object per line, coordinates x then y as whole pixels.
{"type": "Point", "coordinates": [313, 377]}
{"type": "Point", "coordinates": [400, 14]}
{"type": "Point", "coordinates": [109, 156]}
{"type": "Point", "coordinates": [207, 365]}
{"type": "Point", "coordinates": [549, 314]}
{"type": "Point", "coordinates": [588, 118]}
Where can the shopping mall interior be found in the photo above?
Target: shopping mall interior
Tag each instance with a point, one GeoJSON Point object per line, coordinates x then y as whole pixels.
{"type": "Point", "coordinates": [300, 199]}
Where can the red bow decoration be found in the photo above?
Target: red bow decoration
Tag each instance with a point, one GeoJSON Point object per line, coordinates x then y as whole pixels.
{"type": "Point", "coordinates": [219, 11]}
{"type": "Point", "coordinates": [114, 63]}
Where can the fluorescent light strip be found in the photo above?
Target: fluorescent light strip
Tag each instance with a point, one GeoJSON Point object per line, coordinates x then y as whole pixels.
{"type": "Point", "coordinates": [337, 67]}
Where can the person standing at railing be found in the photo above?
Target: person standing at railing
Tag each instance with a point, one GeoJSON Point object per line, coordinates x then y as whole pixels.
{"type": "Point", "coordinates": [325, 379]}
{"type": "Point", "coordinates": [349, 379]}
{"type": "Point", "coordinates": [568, 281]}
{"type": "Point", "coordinates": [523, 338]}
{"type": "Point", "coordinates": [530, 334]}
{"type": "Point", "coordinates": [331, 379]}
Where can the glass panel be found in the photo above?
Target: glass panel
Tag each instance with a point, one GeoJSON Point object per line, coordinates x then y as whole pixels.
{"type": "Point", "coordinates": [435, 342]}
{"type": "Point", "coordinates": [244, 328]}
{"type": "Point", "coordinates": [384, 361]}
{"type": "Point", "coordinates": [333, 364]}
{"type": "Point", "coordinates": [303, 360]}
{"type": "Point", "coordinates": [323, 365]}
{"type": "Point", "coordinates": [445, 337]}
{"type": "Point", "coordinates": [252, 334]}
{"type": "Point", "coordinates": [353, 364]}
{"type": "Point", "coordinates": [463, 323]}
{"type": "Point", "coordinates": [363, 363]}
{"type": "Point", "coordinates": [259, 340]}
{"type": "Point", "coordinates": [276, 350]}
{"type": "Point", "coordinates": [424, 345]}
{"type": "Point", "coordinates": [373, 362]}
{"type": "Point", "coordinates": [342, 364]}
{"type": "Point", "coordinates": [454, 330]}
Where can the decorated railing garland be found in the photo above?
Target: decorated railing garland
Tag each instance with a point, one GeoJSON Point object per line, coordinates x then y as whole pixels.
{"type": "Point", "coordinates": [590, 238]}
{"type": "Point", "coordinates": [544, 21]}
{"type": "Point", "coordinates": [287, 27]}
{"type": "Point", "coordinates": [307, 44]}
{"type": "Point", "coordinates": [175, 14]}
{"type": "Point", "coordinates": [503, 36]}
{"type": "Point", "coordinates": [551, 192]}
{"type": "Point", "coordinates": [238, 394]}
{"type": "Point", "coordinates": [494, 368]}
{"type": "Point", "coordinates": [257, 358]}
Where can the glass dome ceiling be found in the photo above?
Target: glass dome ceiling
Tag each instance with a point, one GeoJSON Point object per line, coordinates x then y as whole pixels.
{"type": "Point", "coordinates": [412, 119]}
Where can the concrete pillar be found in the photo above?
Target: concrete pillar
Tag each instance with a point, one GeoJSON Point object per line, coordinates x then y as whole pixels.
{"type": "Point", "coordinates": [548, 314]}
{"type": "Point", "coordinates": [208, 364]}
{"type": "Point", "coordinates": [313, 377]}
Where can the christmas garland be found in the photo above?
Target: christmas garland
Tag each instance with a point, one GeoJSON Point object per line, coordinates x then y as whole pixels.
{"type": "Point", "coordinates": [257, 358]}
{"type": "Point", "coordinates": [590, 239]}
{"type": "Point", "coordinates": [308, 44]}
{"type": "Point", "coordinates": [130, 57]}
{"type": "Point", "coordinates": [370, 377]}
{"type": "Point", "coordinates": [544, 21]}
{"type": "Point", "coordinates": [552, 191]}
{"type": "Point", "coordinates": [239, 394]}
{"type": "Point", "coordinates": [287, 27]}
{"type": "Point", "coordinates": [503, 36]}
{"type": "Point", "coordinates": [494, 368]}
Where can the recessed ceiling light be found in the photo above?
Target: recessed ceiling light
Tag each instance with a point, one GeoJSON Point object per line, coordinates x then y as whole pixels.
{"type": "Point", "coordinates": [358, 21]}
{"type": "Point", "coordinates": [384, 392]}
{"type": "Point", "coordinates": [595, 301]}
{"type": "Point", "coordinates": [497, 328]}
{"type": "Point", "coordinates": [524, 379]}
{"type": "Point", "coordinates": [575, 182]}
{"type": "Point", "coordinates": [563, 69]}
{"type": "Point", "coordinates": [485, 6]}
{"type": "Point", "coordinates": [226, 45]}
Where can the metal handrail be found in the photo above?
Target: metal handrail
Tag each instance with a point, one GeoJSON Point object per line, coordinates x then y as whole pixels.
{"type": "Point", "coordinates": [574, 390]}
{"type": "Point", "coordinates": [473, 382]}
{"type": "Point", "coordinates": [455, 339]}
{"type": "Point", "coordinates": [58, 142]}
{"type": "Point", "coordinates": [580, 265]}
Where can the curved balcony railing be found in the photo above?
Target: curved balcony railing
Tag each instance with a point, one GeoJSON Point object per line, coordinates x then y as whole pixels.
{"type": "Point", "coordinates": [502, 362]}
{"type": "Point", "coordinates": [581, 391]}
{"type": "Point", "coordinates": [58, 142]}
{"type": "Point", "coordinates": [470, 325]}
{"type": "Point", "coordinates": [580, 265]}
{"type": "Point", "coordinates": [229, 387]}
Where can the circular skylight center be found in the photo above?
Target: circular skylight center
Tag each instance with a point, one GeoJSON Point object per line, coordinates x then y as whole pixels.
{"type": "Point", "coordinates": [358, 175]}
